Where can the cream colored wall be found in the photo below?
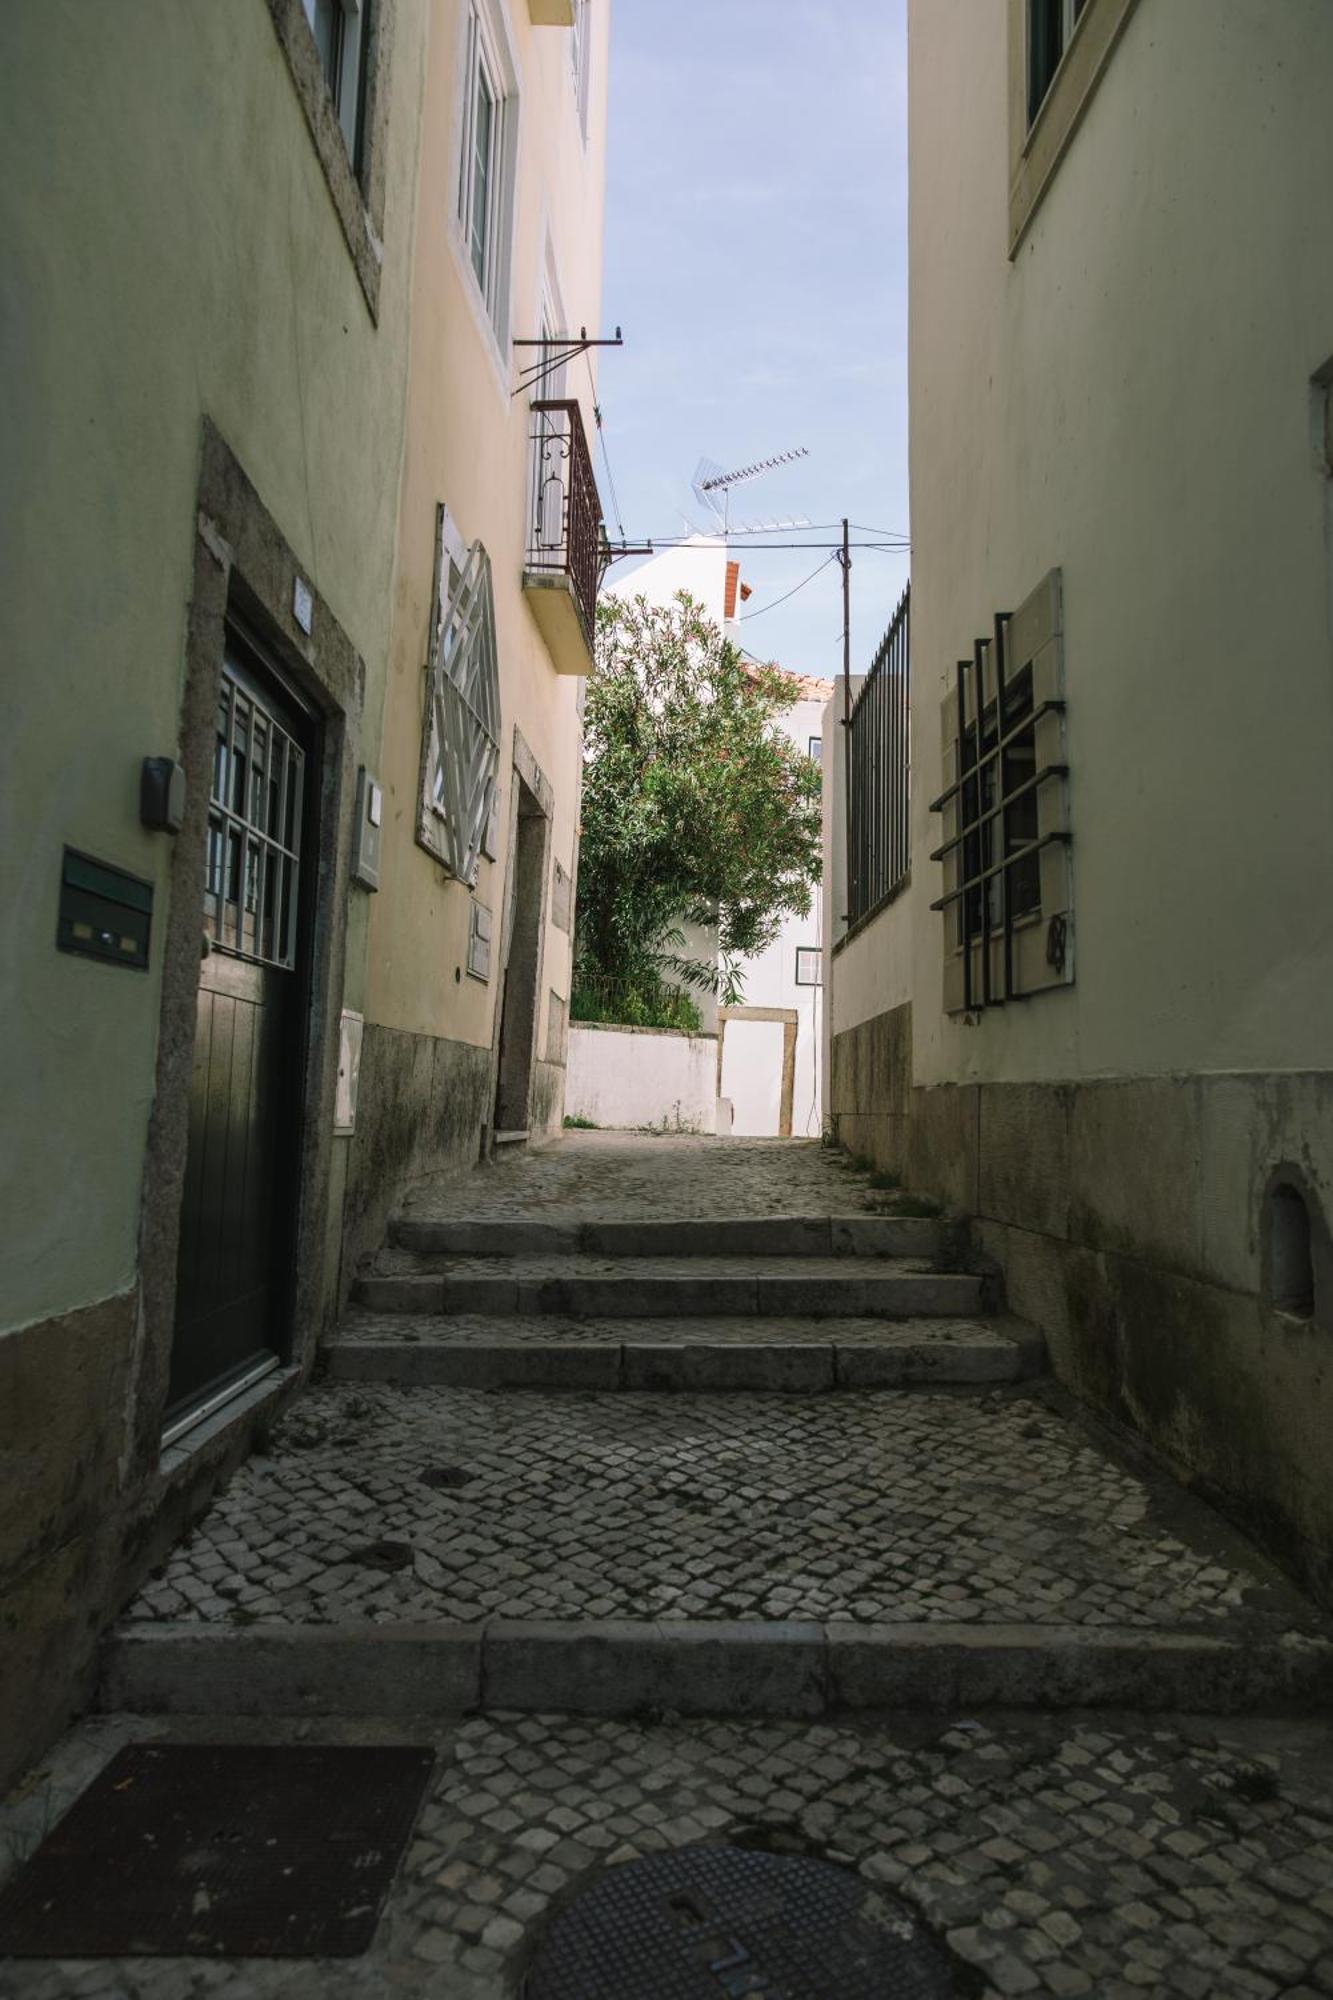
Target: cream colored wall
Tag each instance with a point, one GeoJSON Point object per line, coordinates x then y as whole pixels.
{"type": "Point", "coordinates": [171, 251]}
{"type": "Point", "coordinates": [468, 447]}
{"type": "Point", "coordinates": [1130, 401]}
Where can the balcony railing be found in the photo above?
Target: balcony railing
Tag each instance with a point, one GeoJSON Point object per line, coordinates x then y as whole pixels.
{"type": "Point", "coordinates": [565, 536]}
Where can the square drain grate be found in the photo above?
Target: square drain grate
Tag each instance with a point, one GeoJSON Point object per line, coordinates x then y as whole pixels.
{"type": "Point", "coordinates": [218, 1850]}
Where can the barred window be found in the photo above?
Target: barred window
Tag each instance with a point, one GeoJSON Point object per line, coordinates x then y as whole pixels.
{"type": "Point", "coordinates": [461, 748]}
{"type": "Point", "coordinates": [1006, 904]}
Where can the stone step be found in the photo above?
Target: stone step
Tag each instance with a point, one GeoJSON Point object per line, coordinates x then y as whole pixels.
{"type": "Point", "coordinates": [474, 1352]}
{"type": "Point", "coordinates": [652, 1288]}
{"type": "Point", "coordinates": [683, 1236]}
{"type": "Point", "coordinates": [395, 1550]}
{"type": "Point", "coordinates": [610, 1667]}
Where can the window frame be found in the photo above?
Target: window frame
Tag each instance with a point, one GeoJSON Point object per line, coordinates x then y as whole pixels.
{"type": "Point", "coordinates": [1040, 135]}
{"type": "Point", "coordinates": [810, 951]}
{"type": "Point", "coordinates": [346, 71]}
{"type": "Point", "coordinates": [487, 59]}
{"type": "Point", "coordinates": [355, 174]}
{"type": "Point", "coordinates": [580, 58]}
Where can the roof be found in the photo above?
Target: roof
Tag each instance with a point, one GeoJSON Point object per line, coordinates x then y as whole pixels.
{"type": "Point", "coordinates": [805, 687]}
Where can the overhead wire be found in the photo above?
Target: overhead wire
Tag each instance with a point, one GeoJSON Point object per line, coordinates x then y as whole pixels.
{"type": "Point", "coordinates": [774, 602]}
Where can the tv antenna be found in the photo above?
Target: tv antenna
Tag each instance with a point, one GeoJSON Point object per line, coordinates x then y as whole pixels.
{"type": "Point", "coordinates": [710, 481]}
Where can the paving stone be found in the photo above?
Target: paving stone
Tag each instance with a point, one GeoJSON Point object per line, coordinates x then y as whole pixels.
{"type": "Point", "coordinates": [896, 1509]}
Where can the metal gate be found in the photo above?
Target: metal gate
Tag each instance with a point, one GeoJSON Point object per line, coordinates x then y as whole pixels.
{"type": "Point", "coordinates": [233, 1279]}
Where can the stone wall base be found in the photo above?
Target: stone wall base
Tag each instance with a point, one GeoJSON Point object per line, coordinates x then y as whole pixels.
{"type": "Point", "coordinates": [422, 1105]}
{"type": "Point", "coordinates": [1133, 1220]}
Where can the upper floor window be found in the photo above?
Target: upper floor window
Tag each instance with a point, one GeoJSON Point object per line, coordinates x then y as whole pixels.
{"type": "Point", "coordinates": [1051, 24]}
{"type": "Point", "coordinates": [483, 190]}
{"type": "Point", "coordinates": [1059, 52]}
{"type": "Point", "coordinates": [342, 32]}
{"type": "Point", "coordinates": [580, 56]}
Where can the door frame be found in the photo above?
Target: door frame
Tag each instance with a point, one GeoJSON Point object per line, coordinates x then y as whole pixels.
{"type": "Point", "coordinates": [790, 1019]}
{"type": "Point", "coordinates": [245, 573]}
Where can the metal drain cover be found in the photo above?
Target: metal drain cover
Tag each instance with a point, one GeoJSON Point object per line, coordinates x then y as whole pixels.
{"type": "Point", "coordinates": [730, 1923]}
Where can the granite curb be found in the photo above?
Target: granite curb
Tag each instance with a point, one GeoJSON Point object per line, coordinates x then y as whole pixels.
{"type": "Point", "coordinates": [702, 1667]}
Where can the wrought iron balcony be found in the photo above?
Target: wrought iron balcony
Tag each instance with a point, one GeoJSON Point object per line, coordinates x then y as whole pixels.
{"type": "Point", "coordinates": [565, 536]}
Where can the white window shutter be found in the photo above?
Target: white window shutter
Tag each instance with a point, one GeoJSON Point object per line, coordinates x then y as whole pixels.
{"type": "Point", "coordinates": [461, 747]}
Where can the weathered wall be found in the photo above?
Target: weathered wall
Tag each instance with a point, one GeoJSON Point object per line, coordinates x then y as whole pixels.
{"type": "Point", "coordinates": [176, 270]}
{"type": "Point", "coordinates": [421, 1103]}
{"type": "Point", "coordinates": [625, 1078]}
{"type": "Point", "coordinates": [1130, 1217]}
{"type": "Point", "coordinates": [468, 448]}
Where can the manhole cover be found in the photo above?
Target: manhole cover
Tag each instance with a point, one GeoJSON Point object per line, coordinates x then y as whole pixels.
{"type": "Point", "coordinates": [727, 1923]}
{"type": "Point", "coordinates": [237, 1851]}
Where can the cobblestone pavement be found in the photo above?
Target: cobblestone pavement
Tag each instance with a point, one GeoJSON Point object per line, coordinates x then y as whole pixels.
{"type": "Point", "coordinates": [1116, 1857]}
{"type": "Point", "coordinates": [588, 1175]}
{"type": "Point", "coordinates": [735, 1330]}
{"type": "Point", "coordinates": [376, 1503]}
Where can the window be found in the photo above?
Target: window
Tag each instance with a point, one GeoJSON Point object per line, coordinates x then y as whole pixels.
{"type": "Point", "coordinates": [484, 169]}
{"type": "Point", "coordinates": [809, 968]}
{"type": "Point", "coordinates": [816, 748]}
{"type": "Point", "coordinates": [580, 52]}
{"type": "Point", "coordinates": [479, 942]}
{"type": "Point", "coordinates": [1006, 901]}
{"type": "Point", "coordinates": [342, 32]}
{"type": "Point", "coordinates": [1051, 24]}
{"type": "Point", "coordinates": [460, 751]}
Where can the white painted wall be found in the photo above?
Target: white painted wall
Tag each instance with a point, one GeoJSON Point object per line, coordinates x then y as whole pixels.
{"type": "Point", "coordinates": [625, 1078]}
{"type": "Point", "coordinates": [1131, 400]}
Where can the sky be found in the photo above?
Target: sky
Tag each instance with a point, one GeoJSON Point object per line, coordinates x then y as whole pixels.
{"type": "Point", "coordinates": [756, 258]}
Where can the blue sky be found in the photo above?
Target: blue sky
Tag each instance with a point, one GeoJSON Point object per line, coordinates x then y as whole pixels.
{"type": "Point", "coordinates": [756, 256]}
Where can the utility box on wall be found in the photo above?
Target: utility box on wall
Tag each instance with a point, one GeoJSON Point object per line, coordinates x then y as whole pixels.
{"type": "Point", "coordinates": [104, 912]}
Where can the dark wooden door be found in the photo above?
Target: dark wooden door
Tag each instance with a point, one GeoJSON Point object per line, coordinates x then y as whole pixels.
{"type": "Point", "coordinates": [233, 1273]}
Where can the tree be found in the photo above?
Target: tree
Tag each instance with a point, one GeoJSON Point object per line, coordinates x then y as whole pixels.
{"type": "Point", "coordinates": [695, 807]}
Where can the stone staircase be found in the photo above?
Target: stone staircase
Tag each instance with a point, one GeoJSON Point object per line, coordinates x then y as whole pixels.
{"type": "Point", "coordinates": [797, 1303]}
{"type": "Point", "coordinates": [861, 1494]}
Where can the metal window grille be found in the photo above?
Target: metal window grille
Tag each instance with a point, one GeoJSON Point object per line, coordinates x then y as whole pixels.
{"type": "Point", "coordinates": [878, 850]}
{"type": "Point", "coordinates": [993, 855]}
{"type": "Point", "coordinates": [461, 748]}
{"type": "Point", "coordinates": [256, 799]}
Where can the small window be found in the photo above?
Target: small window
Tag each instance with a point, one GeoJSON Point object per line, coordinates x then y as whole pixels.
{"type": "Point", "coordinates": [479, 942]}
{"type": "Point", "coordinates": [809, 965]}
{"type": "Point", "coordinates": [483, 190]}
{"type": "Point", "coordinates": [580, 54]}
{"type": "Point", "coordinates": [341, 29]}
{"type": "Point", "coordinates": [1051, 24]}
{"type": "Point", "coordinates": [816, 748]}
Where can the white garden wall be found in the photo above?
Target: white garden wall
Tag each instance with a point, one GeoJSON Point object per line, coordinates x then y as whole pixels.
{"type": "Point", "coordinates": [626, 1078]}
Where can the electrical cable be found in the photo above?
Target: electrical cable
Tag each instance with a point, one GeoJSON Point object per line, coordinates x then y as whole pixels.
{"type": "Point", "coordinates": [773, 605]}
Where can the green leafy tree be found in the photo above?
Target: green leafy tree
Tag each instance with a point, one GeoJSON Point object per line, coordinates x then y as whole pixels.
{"type": "Point", "coordinates": [695, 806]}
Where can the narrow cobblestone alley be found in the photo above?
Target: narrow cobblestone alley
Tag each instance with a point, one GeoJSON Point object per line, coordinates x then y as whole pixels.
{"type": "Point", "coordinates": [726, 1508]}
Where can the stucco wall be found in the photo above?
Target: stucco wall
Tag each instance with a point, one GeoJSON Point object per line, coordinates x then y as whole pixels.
{"type": "Point", "coordinates": [626, 1078]}
{"type": "Point", "coordinates": [171, 251]}
{"type": "Point", "coordinates": [184, 334]}
{"type": "Point", "coordinates": [1130, 400]}
{"type": "Point", "coordinates": [468, 448]}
